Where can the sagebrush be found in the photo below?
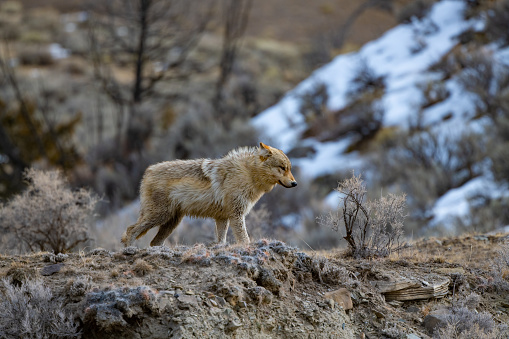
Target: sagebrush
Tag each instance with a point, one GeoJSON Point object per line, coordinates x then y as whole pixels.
{"type": "Point", "coordinates": [371, 227]}
{"type": "Point", "coordinates": [48, 215]}
{"type": "Point", "coordinates": [31, 311]}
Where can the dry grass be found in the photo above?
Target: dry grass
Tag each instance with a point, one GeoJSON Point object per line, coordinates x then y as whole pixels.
{"type": "Point", "coordinates": [142, 268]}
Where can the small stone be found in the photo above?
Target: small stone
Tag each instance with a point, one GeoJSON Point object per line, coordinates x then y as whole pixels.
{"type": "Point", "coordinates": [435, 319]}
{"type": "Point", "coordinates": [213, 302]}
{"type": "Point", "coordinates": [242, 304]}
{"type": "Point", "coordinates": [412, 336]}
{"type": "Point", "coordinates": [189, 292]}
{"type": "Point", "coordinates": [395, 303]}
{"type": "Point", "coordinates": [221, 301]}
{"type": "Point", "coordinates": [233, 325]}
{"type": "Point", "coordinates": [413, 309]}
{"type": "Point", "coordinates": [51, 269]}
{"type": "Point", "coordinates": [188, 300]}
{"type": "Point", "coordinates": [342, 297]}
{"type": "Point", "coordinates": [131, 250]}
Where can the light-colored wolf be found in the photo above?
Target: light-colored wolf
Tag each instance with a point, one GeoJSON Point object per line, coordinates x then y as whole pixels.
{"type": "Point", "coordinates": [224, 189]}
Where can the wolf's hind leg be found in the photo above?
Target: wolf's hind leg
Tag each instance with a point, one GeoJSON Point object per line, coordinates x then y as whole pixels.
{"type": "Point", "coordinates": [221, 230]}
{"type": "Point", "coordinates": [142, 226]}
{"type": "Point", "coordinates": [166, 229]}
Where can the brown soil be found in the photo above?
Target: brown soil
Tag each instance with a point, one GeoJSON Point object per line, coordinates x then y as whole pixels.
{"type": "Point", "coordinates": [266, 290]}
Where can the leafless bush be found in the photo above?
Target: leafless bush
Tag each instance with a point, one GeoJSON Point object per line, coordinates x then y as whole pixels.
{"type": "Point", "coordinates": [35, 56]}
{"type": "Point", "coordinates": [48, 216]}
{"type": "Point", "coordinates": [314, 102]}
{"type": "Point", "coordinates": [372, 228]}
{"type": "Point", "coordinates": [415, 9]}
{"type": "Point", "coordinates": [434, 92]}
{"type": "Point", "coordinates": [199, 134]}
{"type": "Point", "coordinates": [362, 117]}
{"type": "Point", "coordinates": [428, 163]}
{"type": "Point", "coordinates": [486, 213]}
{"type": "Point", "coordinates": [31, 311]}
{"type": "Point", "coordinates": [497, 23]}
{"type": "Point", "coordinates": [463, 322]}
{"type": "Point", "coordinates": [488, 79]}
{"type": "Point", "coordinates": [498, 278]}
{"type": "Point", "coordinates": [365, 80]}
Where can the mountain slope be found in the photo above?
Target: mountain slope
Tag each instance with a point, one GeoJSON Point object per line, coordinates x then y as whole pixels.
{"type": "Point", "coordinates": [411, 90]}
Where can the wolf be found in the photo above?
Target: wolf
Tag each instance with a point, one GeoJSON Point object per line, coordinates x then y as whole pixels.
{"type": "Point", "coordinates": [224, 189]}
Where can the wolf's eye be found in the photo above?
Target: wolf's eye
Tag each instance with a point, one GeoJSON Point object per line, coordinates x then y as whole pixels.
{"type": "Point", "coordinates": [283, 168]}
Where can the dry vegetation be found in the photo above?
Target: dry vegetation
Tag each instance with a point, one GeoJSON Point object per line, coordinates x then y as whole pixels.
{"type": "Point", "coordinates": [267, 289]}
{"type": "Point", "coordinates": [47, 216]}
{"type": "Point", "coordinates": [83, 114]}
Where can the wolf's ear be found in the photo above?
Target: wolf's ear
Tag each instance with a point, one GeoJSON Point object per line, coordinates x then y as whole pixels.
{"type": "Point", "coordinates": [265, 151]}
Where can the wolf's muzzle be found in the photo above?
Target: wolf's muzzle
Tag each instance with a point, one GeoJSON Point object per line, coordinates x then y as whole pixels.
{"type": "Point", "coordinates": [292, 184]}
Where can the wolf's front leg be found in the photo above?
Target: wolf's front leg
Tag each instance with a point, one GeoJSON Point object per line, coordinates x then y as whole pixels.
{"type": "Point", "coordinates": [221, 230]}
{"type": "Point", "coordinates": [238, 224]}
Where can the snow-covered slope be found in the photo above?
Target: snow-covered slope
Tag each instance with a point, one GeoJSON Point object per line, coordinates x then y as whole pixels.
{"type": "Point", "coordinates": [403, 56]}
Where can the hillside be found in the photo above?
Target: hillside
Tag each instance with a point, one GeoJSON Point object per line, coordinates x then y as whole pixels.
{"type": "Point", "coordinates": [418, 110]}
{"type": "Point", "coordinates": [266, 290]}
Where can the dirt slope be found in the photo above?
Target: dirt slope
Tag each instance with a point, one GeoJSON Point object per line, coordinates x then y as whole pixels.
{"type": "Point", "coordinates": [267, 290]}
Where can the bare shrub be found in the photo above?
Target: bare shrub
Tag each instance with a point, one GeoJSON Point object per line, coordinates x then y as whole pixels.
{"type": "Point", "coordinates": [47, 216]}
{"type": "Point", "coordinates": [314, 102]}
{"type": "Point", "coordinates": [434, 92]}
{"type": "Point", "coordinates": [486, 213]}
{"type": "Point", "coordinates": [488, 79]}
{"type": "Point", "coordinates": [361, 118]}
{"type": "Point", "coordinates": [365, 80]}
{"type": "Point", "coordinates": [463, 322]}
{"type": "Point", "coordinates": [415, 9]}
{"type": "Point", "coordinates": [198, 133]}
{"type": "Point", "coordinates": [31, 311]}
{"type": "Point", "coordinates": [497, 23]}
{"type": "Point", "coordinates": [372, 228]}
{"type": "Point", "coordinates": [428, 163]}
{"type": "Point", "coordinates": [35, 56]}
{"type": "Point", "coordinates": [498, 277]}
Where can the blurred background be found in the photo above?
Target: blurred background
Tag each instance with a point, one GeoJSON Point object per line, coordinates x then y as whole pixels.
{"type": "Point", "coordinates": [411, 94]}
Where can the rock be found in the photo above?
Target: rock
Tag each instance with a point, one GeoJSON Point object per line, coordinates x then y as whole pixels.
{"type": "Point", "coordinates": [453, 270]}
{"type": "Point", "coordinates": [267, 280]}
{"type": "Point", "coordinates": [413, 309]}
{"type": "Point", "coordinates": [188, 300]}
{"type": "Point", "coordinates": [233, 325]}
{"type": "Point", "coordinates": [131, 250]}
{"type": "Point", "coordinates": [412, 336]}
{"type": "Point", "coordinates": [435, 319]}
{"type": "Point", "coordinates": [221, 301]}
{"type": "Point", "coordinates": [342, 297]}
{"type": "Point", "coordinates": [51, 269]}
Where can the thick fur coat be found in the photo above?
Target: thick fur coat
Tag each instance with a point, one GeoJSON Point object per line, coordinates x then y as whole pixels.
{"type": "Point", "coordinates": [224, 189]}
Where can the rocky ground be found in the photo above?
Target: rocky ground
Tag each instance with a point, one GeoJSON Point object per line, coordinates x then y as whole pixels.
{"type": "Point", "coordinates": [271, 290]}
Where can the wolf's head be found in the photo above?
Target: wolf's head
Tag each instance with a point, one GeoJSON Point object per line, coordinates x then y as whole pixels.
{"type": "Point", "coordinates": [278, 166]}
